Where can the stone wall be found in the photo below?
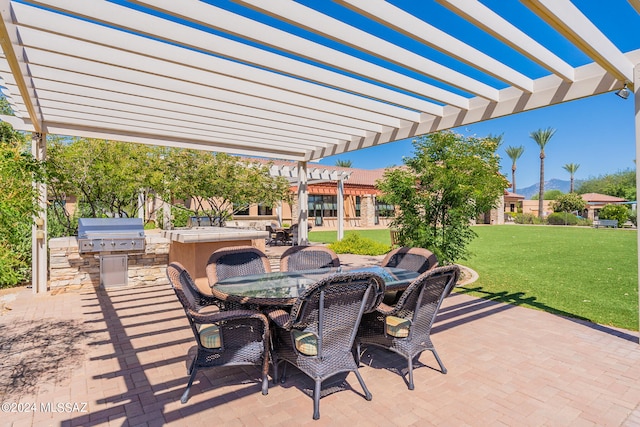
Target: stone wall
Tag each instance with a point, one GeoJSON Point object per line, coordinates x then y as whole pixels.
{"type": "Point", "coordinates": [68, 268]}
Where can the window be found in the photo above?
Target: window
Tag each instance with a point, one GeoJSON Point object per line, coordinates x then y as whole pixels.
{"type": "Point", "coordinates": [385, 210]}
{"type": "Point", "coordinates": [323, 206]}
{"type": "Point", "coordinates": [264, 209]}
{"type": "Point", "coordinates": [241, 209]}
{"type": "Point", "coordinates": [357, 207]}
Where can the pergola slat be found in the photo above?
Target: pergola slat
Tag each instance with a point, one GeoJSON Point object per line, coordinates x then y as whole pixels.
{"type": "Point", "coordinates": [502, 29]}
{"type": "Point", "coordinates": [417, 29]}
{"type": "Point", "coordinates": [571, 23]}
{"type": "Point", "coordinates": [335, 29]}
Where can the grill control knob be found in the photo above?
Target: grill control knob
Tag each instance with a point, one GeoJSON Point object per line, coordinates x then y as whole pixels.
{"type": "Point", "coordinates": [113, 243]}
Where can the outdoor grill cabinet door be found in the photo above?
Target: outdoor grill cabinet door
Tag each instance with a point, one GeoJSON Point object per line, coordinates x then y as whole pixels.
{"type": "Point", "coordinates": [113, 270]}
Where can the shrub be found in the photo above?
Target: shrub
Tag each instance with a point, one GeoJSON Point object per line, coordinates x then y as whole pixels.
{"type": "Point", "coordinates": [619, 212]}
{"type": "Point", "coordinates": [585, 222]}
{"type": "Point", "coordinates": [11, 268]}
{"type": "Point", "coordinates": [180, 216]}
{"type": "Point", "coordinates": [354, 244]}
{"type": "Point", "coordinates": [569, 203]}
{"type": "Point", "coordinates": [528, 219]}
{"type": "Point", "coordinates": [562, 218]}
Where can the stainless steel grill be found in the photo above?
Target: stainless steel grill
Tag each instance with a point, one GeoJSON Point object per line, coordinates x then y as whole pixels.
{"type": "Point", "coordinates": [110, 235]}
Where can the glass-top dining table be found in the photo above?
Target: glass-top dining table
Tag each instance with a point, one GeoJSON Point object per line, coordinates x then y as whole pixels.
{"type": "Point", "coordinates": [283, 288]}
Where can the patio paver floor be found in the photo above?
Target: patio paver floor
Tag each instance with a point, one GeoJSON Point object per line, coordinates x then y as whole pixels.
{"type": "Point", "coordinates": [122, 352]}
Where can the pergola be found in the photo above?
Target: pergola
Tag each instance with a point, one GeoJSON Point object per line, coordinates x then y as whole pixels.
{"type": "Point", "coordinates": [300, 80]}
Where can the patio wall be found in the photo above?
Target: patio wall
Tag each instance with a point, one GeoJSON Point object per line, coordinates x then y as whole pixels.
{"type": "Point", "coordinates": [68, 268]}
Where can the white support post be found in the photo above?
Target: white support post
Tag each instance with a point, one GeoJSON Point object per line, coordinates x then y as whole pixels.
{"type": "Point", "coordinates": [636, 98]}
{"type": "Point", "coordinates": [279, 213]}
{"type": "Point", "coordinates": [142, 208]}
{"type": "Point", "coordinates": [303, 205]}
{"type": "Point", "coordinates": [39, 227]}
{"type": "Point", "coordinates": [166, 216]}
{"type": "Point", "coordinates": [340, 209]}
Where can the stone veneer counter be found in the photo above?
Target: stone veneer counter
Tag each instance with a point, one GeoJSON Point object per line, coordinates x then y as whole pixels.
{"type": "Point", "coordinates": [212, 234]}
{"type": "Point", "coordinates": [192, 247]}
{"type": "Point", "coordinates": [70, 269]}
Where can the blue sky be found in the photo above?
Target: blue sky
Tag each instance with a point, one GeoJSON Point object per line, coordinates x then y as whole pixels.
{"type": "Point", "coordinates": [596, 132]}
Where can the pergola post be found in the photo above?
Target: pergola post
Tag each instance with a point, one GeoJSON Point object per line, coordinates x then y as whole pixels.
{"type": "Point", "coordinates": [303, 205]}
{"type": "Point", "coordinates": [636, 98]}
{"type": "Point", "coordinates": [39, 227]}
{"type": "Point", "coordinates": [279, 213]}
{"type": "Point", "coordinates": [340, 209]}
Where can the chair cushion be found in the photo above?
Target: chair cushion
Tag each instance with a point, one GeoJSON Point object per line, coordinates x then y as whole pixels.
{"type": "Point", "coordinates": [210, 336]}
{"type": "Point", "coordinates": [306, 342]}
{"type": "Point", "coordinates": [397, 326]}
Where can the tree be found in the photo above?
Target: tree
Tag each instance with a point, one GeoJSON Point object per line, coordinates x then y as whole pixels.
{"type": "Point", "coordinates": [568, 203]}
{"type": "Point", "coordinates": [549, 195]}
{"type": "Point", "coordinates": [448, 183]}
{"type": "Point", "coordinates": [5, 108]}
{"type": "Point", "coordinates": [514, 154]}
{"type": "Point", "coordinates": [344, 163]}
{"type": "Point", "coordinates": [571, 168]}
{"type": "Point", "coordinates": [219, 184]}
{"type": "Point", "coordinates": [542, 137]}
{"type": "Point", "coordinates": [106, 177]}
{"type": "Point", "coordinates": [619, 212]}
{"type": "Point", "coordinates": [18, 205]}
{"type": "Point", "coordinates": [621, 184]}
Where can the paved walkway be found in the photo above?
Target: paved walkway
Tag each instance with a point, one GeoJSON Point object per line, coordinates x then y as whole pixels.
{"type": "Point", "coordinates": [118, 358]}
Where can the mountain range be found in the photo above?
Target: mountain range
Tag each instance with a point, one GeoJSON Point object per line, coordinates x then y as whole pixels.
{"type": "Point", "coordinates": [552, 184]}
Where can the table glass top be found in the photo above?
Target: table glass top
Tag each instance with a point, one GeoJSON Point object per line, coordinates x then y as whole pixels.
{"type": "Point", "coordinates": [291, 283]}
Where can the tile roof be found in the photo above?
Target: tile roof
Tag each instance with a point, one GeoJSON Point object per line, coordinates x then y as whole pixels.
{"type": "Point", "coordinates": [601, 198]}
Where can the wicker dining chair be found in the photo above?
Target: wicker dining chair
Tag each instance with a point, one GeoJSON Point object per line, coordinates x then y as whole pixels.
{"type": "Point", "coordinates": [405, 328]}
{"type": "Point", "coordinates": [236, 261]}
{"type": "Point", "coordinates": [318, 334]}
{"type": "Point", "coordinates": [414, 259]}
{"type": "Point", "coordinates": [223, 338]}
{"type": "Point", "coordinates": [298, 258]}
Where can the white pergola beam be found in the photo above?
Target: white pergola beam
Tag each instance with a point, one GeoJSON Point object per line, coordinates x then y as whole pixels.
{"type": "Point", "coordinates": [119, 77]}
{"type": "Point", "coordinates": [170, 55]}
{"type": "Point", "coordinates": [590, 80]}
{"type": "Point", "coordinates": [483, 17]}
{"type": "Point", "coordinates": [91, 130]}
{"type": "Point", "coordinates": [134, 95]}
{"type": "Point", "coordinates": [19, 70]}
{"type": "Point", "coordinates": [155, 27]}
{"type": "Point", "coordinates": [188, 115]}
{"type": "Point", "coordinates": [413, 27]}
{"type": "Point", "coordinates": [65, 107]}
{"type": "Point", "coordinates": [138, 69]}
{"type": "Point", "coordinates": [567, 19]}
{"type": "Point", "coordinates": [220, 19]}
{"type": "Point", "coordinates": [335, 29]}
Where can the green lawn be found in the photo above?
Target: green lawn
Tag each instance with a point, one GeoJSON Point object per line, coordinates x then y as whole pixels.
{"type": "Point", "coordinates": [380, 235]}
{"type": "Point", "coordinates": [579, 272]}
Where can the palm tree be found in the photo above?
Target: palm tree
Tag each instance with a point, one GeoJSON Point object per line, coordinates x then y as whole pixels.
{"type": "Point", "coordinates": [542, 137]}
{"type": "Point", "coordinates": [343, 163]}
{"type": "Point", "coordinates": [571, 168]}
{"type": "Point", "coordinates": [514, 154]}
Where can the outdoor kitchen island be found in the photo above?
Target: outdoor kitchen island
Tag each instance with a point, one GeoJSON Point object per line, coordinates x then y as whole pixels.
{"type": "Point", "coordinates": [192, 246]}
